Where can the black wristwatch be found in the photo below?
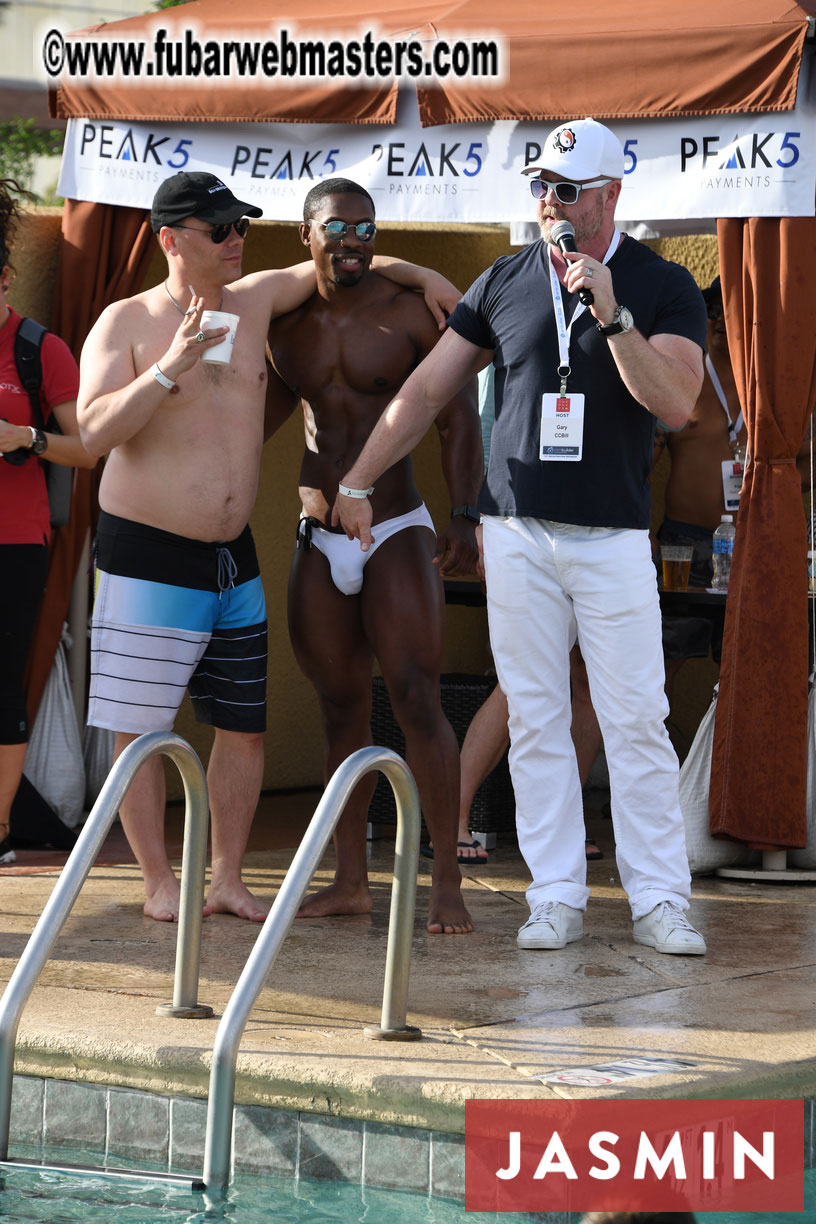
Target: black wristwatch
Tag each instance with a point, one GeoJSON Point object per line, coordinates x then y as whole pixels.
{"type": "Point", "coordinates": [467, 511]}
{"type": "Point", "coordinates": [39, 441]}
{"type": "Point", "coordinates": [622, 321]}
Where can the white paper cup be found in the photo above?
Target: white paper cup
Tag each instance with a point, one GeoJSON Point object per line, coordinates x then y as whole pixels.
{"type": "Point", "coordinates": [222, 353]}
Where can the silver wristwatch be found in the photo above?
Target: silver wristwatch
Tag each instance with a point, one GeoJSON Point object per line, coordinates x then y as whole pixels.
{"type": "Point", "coordinates": [622, 321]}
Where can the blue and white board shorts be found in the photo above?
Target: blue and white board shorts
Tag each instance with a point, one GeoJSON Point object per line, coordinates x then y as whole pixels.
{"type": "Point", "coordinates": [172, 614]}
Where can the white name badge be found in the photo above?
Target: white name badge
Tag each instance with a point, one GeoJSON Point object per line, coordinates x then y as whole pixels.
{"type": "Point", "coordinates": [562, 428]}
{"type": "Point", "coordinates": [732, 473]}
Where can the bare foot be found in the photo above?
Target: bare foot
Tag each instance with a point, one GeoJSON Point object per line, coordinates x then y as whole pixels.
{"type": "Point", "coordinates": [446, 913]}
{"type": "Point", "coordinates": [236, 899]}
{"type": "Point", "coordinates": [164, 903]}
{"type": "Point", "coordinates": [337, 899]}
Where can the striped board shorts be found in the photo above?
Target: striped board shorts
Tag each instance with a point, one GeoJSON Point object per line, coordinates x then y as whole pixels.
{"type": "Point", "coordinates": [172, 614]}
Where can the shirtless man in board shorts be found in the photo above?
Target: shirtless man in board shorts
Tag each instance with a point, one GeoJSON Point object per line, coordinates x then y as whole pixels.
{"type": "Point", "coordinates": [178, 596]}
{"type": "Point", "coordinates": [345, 352]}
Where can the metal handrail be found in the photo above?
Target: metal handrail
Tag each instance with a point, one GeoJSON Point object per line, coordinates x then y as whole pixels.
{"type": "Point", "coordinates": [73, 876]}
{"type": "Point", "coordinates": [217, 1150]}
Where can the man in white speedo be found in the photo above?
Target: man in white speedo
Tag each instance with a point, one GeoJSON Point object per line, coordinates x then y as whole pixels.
{"type": "Point", "coordinates": [345, 352]}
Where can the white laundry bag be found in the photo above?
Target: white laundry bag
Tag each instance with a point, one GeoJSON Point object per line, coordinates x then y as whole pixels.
{"type": "Point", "coordinates": [705, 853]}
{"type": "Point", "coordinates": [97, 753]}
{"type": "Point", "coordinates": [53, 762]}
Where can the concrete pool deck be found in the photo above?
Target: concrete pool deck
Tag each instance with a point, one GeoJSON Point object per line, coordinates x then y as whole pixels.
{"type": "Point", "coordinates": [497, 1022]}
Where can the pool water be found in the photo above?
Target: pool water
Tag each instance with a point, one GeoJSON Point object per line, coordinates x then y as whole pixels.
{"type": "Point", "coordinates": [808, 1216]}
{"type": "Point", "coordinates": [58, 1198]}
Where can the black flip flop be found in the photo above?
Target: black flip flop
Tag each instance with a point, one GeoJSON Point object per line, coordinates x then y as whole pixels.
{"type": "Point", "coordinates": [427, 852]}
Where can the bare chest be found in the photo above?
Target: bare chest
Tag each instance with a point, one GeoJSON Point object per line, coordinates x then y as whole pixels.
{"type": "Point", "coordinates": [359, 356]}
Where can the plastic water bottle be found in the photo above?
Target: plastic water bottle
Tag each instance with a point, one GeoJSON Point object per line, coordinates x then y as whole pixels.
{"type": "Point", "coordinates": [723, 551]}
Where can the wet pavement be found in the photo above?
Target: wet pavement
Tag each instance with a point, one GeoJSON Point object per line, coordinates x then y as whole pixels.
{"type": "Point", "coordinates": [496, 1021]}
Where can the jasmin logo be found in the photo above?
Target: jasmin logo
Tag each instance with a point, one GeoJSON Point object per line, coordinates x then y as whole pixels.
{"type": "Point", "coordinates": [648, 1155]}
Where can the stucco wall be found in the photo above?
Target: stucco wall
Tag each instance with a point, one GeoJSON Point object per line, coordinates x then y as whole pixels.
{"type": "Point", "coordinates": [293, 746]}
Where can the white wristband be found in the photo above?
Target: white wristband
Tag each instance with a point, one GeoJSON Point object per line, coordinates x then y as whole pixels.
{"type": "Point", "coordinates": [166, 382]}
{"type": "Point", "coordinates": [347, 492]}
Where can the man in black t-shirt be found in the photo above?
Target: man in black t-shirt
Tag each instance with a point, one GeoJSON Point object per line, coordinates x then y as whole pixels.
{"type": "Point", "coordinates": [565, 512]}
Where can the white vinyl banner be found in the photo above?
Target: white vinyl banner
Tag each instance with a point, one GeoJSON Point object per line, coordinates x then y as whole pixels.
{"type": "Point", "coordinates": [676, 169]}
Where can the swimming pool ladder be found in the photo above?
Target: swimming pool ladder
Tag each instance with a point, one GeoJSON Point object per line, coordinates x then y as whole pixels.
{"type": "Point", "coordinates": [82, 857]}
{"type": "Point", "coordinates": [392, 1027]}
{"type": "Point", "coordinates": [185, 1005]}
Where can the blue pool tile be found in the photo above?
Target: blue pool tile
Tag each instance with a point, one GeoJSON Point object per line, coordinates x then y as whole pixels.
{"type": "Point", "coordinates": [188, 1128]}
{"type": "Point", "coordinates": [139, 1125]}
{"type": "Point", "coordinates": [265, 1140]}
{"type": "Point", "coordinates": [331, 1149]}
{"type": "Point", "coordinates": [396, 1158]}
{"type": "Point", "coordinates": [75, 1115]}
{"type": "Point", "coordinates": [448, 1165]}
{"type": "Point", "coordinates": [27, 1096]}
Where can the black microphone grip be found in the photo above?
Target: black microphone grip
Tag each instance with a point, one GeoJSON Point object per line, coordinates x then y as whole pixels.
{"type": "Point", "coordinates": [563, 235]}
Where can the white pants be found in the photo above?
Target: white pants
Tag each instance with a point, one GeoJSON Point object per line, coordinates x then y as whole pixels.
{"type": "Point", "coordinates": [548, 583]}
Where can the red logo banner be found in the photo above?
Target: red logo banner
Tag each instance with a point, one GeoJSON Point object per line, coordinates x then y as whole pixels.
{"type": "Point", "coordinates": [634, 1155]}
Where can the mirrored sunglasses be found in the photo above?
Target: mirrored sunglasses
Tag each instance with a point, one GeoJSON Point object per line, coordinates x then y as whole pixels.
{"type": "Point", "coordinates": [219, 233]}
{"type": "Point", "coordinates": [565, 193]}
{"type": "Point", "coordinates": [337, 230]}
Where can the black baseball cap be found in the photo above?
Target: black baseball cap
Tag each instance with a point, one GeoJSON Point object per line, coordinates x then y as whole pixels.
{"type": "Point", "coordinates": [197, 194]}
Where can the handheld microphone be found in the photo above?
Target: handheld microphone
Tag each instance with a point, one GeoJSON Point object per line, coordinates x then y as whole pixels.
{"type": "Point", "coordinates": [563, 235]}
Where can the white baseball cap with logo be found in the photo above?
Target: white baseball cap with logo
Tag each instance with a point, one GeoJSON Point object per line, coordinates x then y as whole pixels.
{"type": "Point", "coordinates": [581, 150]}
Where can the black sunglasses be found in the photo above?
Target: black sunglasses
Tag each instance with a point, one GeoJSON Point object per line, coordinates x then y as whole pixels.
{"type": "Point", "coordinates": [337, 230]}
{"type": "Point", "coordinates": [219, 233]}
{"type": "Point", "coordinates": [565, 193]}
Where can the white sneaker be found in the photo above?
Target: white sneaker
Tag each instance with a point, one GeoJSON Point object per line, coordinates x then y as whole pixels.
{"type": "Point", "coordinates": [552, 924]}
{"type": "Point", "coordinates": [7, 855]}
{"type": "Point", "coordinates": [666, 929]}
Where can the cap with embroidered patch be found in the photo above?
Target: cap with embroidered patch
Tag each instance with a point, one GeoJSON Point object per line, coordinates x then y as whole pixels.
{"type": "Point", "coordinates": [580, 150]}
{"type": "Point", "coordinates": [197, 194]}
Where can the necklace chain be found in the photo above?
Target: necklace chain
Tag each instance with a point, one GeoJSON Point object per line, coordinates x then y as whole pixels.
{"type": "Point", "coordinates": [179, 308]}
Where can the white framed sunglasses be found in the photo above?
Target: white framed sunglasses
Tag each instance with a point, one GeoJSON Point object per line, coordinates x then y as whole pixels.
{"type": "Point", "coordinates": [565, 192]}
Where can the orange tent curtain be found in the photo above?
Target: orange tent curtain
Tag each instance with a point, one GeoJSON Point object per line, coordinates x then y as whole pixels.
{"type": "Point", "coordinates": [738, 56]}
{"type": "Point", "coordinates": [758, 777]}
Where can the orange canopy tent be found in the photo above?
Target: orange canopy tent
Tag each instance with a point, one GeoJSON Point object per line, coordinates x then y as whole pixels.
{"type": "Point", "coordinates": [636, 60]}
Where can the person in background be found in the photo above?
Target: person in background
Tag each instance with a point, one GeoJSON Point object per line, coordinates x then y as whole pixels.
{"type": "Point", "coordinates": [639, 1217]}
{"type": "Point", "coordinates": [25, 522]}
{"type": "Point", "coordinates": [706, 458]}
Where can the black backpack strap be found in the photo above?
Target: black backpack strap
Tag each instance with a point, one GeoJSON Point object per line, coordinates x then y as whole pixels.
{"type": "Point", "coordinates": [28, 360]}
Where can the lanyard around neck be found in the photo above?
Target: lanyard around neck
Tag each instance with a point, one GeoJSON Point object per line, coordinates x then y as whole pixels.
{"type": "Point", "coordinates": [563, 329]}
{"type": "Point", "coordinates": [733, 429]}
